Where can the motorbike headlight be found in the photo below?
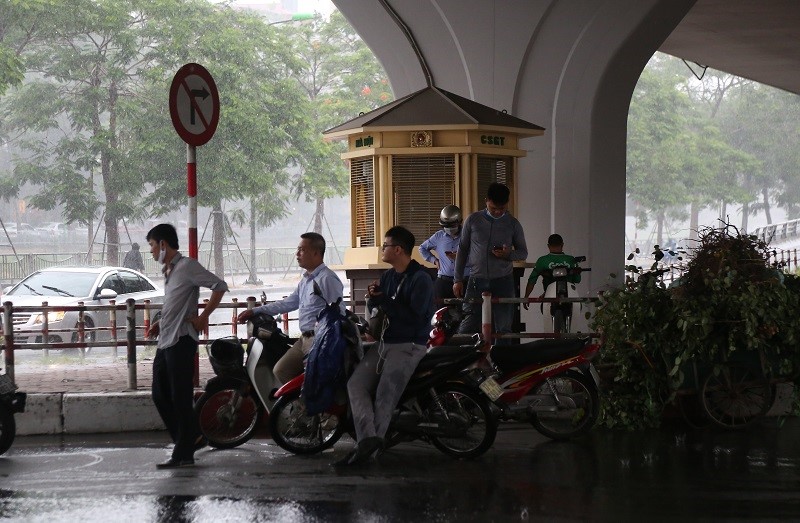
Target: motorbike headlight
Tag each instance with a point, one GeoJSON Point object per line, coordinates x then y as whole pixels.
{"type": "Point", "coordinates": [559, 272]}
{"type": "Point", "coordinates": [52, 317]}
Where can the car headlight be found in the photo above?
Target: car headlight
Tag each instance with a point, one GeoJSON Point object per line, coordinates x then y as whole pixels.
{"type": "Point", "coordinates": [52, 317]}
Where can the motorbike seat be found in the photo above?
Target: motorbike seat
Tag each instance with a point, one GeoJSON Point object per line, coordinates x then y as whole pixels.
{"type": "Point", "coordinates": [436, 355]}
{"type": "Point", "coordinates": [511, 357]}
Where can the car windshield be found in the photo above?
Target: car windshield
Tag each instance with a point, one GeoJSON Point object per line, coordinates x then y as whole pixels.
{"type": "Point", "coordinates": [56, 283]}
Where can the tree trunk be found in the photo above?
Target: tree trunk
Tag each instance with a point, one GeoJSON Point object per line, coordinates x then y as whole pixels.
{"type": "Point", "coordinates": [253, 278]}
{"type": "Point", "coordinates": [694, 220]}
{"type": "Point", "coordinates": [660, 230]}
{"type": "Point", "coordinates": [723, 211]}
{"type": "Point", "coordinates": [765, 194]}
{"type": "Point", "coordinates": [219, 240]}
{"type": "Point", "coordinates": [745, 214]}
{"type": "Point", "coordinates": [319, 215]}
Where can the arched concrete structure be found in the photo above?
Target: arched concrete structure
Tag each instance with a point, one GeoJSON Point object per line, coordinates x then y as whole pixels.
{"type": "Point", "coordinates": [569, 66]}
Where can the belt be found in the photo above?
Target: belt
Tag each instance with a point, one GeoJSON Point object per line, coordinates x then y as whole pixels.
{"type": "Point", "coordinates": [308, 334]}
{"type": "Point", "coordinates": [448, 278]}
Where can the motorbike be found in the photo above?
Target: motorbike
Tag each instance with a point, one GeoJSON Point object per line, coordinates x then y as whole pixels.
{"type": "Point", "coordinates": [11, 402]}
{"type": "Point", "coordinates": [236, 399]}
{"type": "Point", "coordinates": [550, 383]}
{"type": "Point", "coordinates": [560, 287]}
{"type": "Point", "coordinates": [439, 406]}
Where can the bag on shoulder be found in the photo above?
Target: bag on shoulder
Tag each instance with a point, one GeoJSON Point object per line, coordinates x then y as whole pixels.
{"type": "Point", "coordinates": [378, 322]}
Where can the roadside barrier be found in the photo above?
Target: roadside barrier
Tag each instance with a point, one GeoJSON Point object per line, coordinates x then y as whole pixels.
{"type": "Point", "coordinates": [138, 317]}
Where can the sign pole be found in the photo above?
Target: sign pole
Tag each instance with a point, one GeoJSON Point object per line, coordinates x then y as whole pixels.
{"type": "Point", "coordinates": [194, 110]}
{"type": "Point", "coordinates": [191, 190]}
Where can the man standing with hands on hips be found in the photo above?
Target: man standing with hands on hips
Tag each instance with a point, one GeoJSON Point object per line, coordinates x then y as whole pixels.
{"type": "Point", "coordinates": [491, 240]}
{"type": "Point", "coordinates": [445, 243]}
{"type": "Point", "coordinates": [178, 333]}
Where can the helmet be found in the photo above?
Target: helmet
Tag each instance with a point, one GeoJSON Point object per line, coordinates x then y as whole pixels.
{"type": "Point", "coordinates": [450, 216]}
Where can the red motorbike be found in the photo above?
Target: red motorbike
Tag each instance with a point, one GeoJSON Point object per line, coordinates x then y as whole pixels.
{"type": "Point", "coordinates": [550, 383]}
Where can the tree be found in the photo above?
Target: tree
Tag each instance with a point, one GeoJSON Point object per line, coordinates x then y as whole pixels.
{"type": "Point", "coordinates": [762, 121]}
{"type": "Point", "coordinates": [79, 78]}
{"type": "Point", "coordinates": [341, 78]}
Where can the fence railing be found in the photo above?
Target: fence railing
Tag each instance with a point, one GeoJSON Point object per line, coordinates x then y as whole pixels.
{"type": "Point", "coordinates": [779, 231]}
{"type": "Point", "coordinates": [268, 260]}
{"type": "Point", "coordinates": [132, 335]}
{"type": "Point", "coordinates": [788, 260]}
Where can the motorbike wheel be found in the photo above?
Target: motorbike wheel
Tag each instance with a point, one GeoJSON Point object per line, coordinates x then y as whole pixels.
{"type": "Point", "coordinates": [471, 412]}
{"type": "Point", "coordinates": [227, 417]}
{"type": "Point", "coordinates": [293, 429]}
{"type": "Point", "coordinates": [8, 428]}
{"type": "Point", "coordinates": [576, 405]}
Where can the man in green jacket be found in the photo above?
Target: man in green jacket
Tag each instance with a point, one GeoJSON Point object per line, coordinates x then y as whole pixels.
{"type": "Point", "coordinates": [545, 264]}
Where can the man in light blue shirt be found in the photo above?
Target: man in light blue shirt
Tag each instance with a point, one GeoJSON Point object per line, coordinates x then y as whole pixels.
{"type": "Point", "coordinates": [445, 244]}
{"type": "Point", "coordinates": [318, 287]}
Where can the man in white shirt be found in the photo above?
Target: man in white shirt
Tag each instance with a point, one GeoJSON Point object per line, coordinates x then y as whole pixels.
{"type": "Point", "coordinates": [318, 287]}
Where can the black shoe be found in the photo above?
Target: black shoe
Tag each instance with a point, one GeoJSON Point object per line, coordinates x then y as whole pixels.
{"type": "Point", "coordinates": [363, 451]}
{"type": "Point", "coordinates": [200, 443]}
{"type": "Point", "coordinates": [173, 463]}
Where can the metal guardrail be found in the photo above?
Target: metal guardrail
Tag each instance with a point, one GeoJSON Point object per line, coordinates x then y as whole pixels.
{"type": "Point", "coordinates": [134, 336]}
{"type": "Point", "coordinates": [268, 260]}
{"type": "Point", "coordinates": [787, 259]}
{"type": "Point", "coordinates": [778, 231]}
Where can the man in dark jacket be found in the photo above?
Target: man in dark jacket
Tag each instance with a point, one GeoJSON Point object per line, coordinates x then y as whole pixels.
{"type": "Point", "coordinates": [405, 293]}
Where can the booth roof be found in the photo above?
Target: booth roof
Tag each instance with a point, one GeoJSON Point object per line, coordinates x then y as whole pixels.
{"type": "Point", "coordinates": [434, 107]}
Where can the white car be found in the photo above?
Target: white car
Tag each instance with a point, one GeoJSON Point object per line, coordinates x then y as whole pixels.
{"type": "Point", "coordinates": [63, 286]}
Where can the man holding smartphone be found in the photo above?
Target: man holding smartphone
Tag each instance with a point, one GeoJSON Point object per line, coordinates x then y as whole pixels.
{"type": "Point", "coordinates": [440, 249]}
{"type": "Point", "coordinates": [491, 240]}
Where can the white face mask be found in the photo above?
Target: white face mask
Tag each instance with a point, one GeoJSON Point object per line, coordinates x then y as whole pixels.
{"type": "Point", "coordinates": [452, 231]}
{"type": "Point", "coordinates": [162, 256]}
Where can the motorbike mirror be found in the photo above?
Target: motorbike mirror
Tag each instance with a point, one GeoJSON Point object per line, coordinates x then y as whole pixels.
{"type": "Point", "coordinates": [579, 259]}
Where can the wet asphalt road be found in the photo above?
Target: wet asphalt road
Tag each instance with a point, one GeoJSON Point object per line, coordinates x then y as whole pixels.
{"type": "Point", "coordinates": [666, 475]}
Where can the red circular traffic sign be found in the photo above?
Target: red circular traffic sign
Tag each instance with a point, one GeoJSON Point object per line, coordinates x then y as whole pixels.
{"type": "Point", "coordinates": [194, 104]}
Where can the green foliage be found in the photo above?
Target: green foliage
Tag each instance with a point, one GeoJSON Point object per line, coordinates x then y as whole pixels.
{"type": "Point", "coordinates": [730, 300]}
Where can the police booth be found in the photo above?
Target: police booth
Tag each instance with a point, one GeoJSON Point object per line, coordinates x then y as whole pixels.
{"type": "Point", "coordinates": [412, 157]}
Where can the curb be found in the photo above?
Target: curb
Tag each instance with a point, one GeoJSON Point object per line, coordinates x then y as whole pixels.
{"type": "Point", "coordinates": [86, 413]}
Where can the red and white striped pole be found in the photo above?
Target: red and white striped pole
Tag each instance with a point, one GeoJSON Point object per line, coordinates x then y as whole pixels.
{"type": "Point", "coordinates": [191, 191]}
{"type": "Point", "coordinates": [486, 321]}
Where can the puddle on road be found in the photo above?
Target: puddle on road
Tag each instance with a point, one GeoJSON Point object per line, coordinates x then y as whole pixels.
{"type": "Point", "coordinates": [176, 509]}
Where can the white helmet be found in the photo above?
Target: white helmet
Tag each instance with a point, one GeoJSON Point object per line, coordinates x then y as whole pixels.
{"type": "Point", "coordinates": [450, 216]}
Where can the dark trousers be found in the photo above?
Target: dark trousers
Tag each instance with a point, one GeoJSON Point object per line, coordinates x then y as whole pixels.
{"type": "Point", "coordinates": [173, 394]}
{"type": "Point", "coordinates": [502, 313]}
{"type": "Point", "coordinates": [442, 288]}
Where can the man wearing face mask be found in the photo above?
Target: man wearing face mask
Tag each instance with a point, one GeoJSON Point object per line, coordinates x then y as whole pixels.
{"type": "Point", "coordinates": [177, 331]}
{"type": "Point", "coordinates": [441, 248]}
{"type": "Point", "coordinates": [491, 240]}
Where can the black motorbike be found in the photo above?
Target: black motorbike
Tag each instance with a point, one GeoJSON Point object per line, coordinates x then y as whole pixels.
{"type": "Point", "coordinates": [11, 402]}
{"type": "Point", "coordinates": [440, 405]}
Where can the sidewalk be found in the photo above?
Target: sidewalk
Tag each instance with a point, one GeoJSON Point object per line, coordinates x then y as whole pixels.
{"type": "Point", "coordinates": [93, 397]}
{"type": "Point", "coordinates": [92, 377]}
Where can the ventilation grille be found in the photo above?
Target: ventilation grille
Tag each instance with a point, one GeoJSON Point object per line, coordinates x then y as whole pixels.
{"type": "Point", "coordinates": [492, 170]}
{"type": "Point", "coordinates": [362, 190]}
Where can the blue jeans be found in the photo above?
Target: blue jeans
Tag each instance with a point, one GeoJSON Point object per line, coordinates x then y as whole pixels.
{"type": "Point", "coordinates": [502, 313]}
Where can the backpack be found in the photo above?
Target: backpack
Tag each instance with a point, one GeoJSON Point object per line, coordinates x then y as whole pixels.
{"type": "Point", "coordinates": [325, 366]}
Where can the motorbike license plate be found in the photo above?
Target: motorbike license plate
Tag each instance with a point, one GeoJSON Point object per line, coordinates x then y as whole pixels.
{"type": "Point", "coordinates": [491, 388]}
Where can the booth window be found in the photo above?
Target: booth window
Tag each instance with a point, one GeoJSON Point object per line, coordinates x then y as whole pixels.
{"type": "Point", "coordinates": [421, 186]}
